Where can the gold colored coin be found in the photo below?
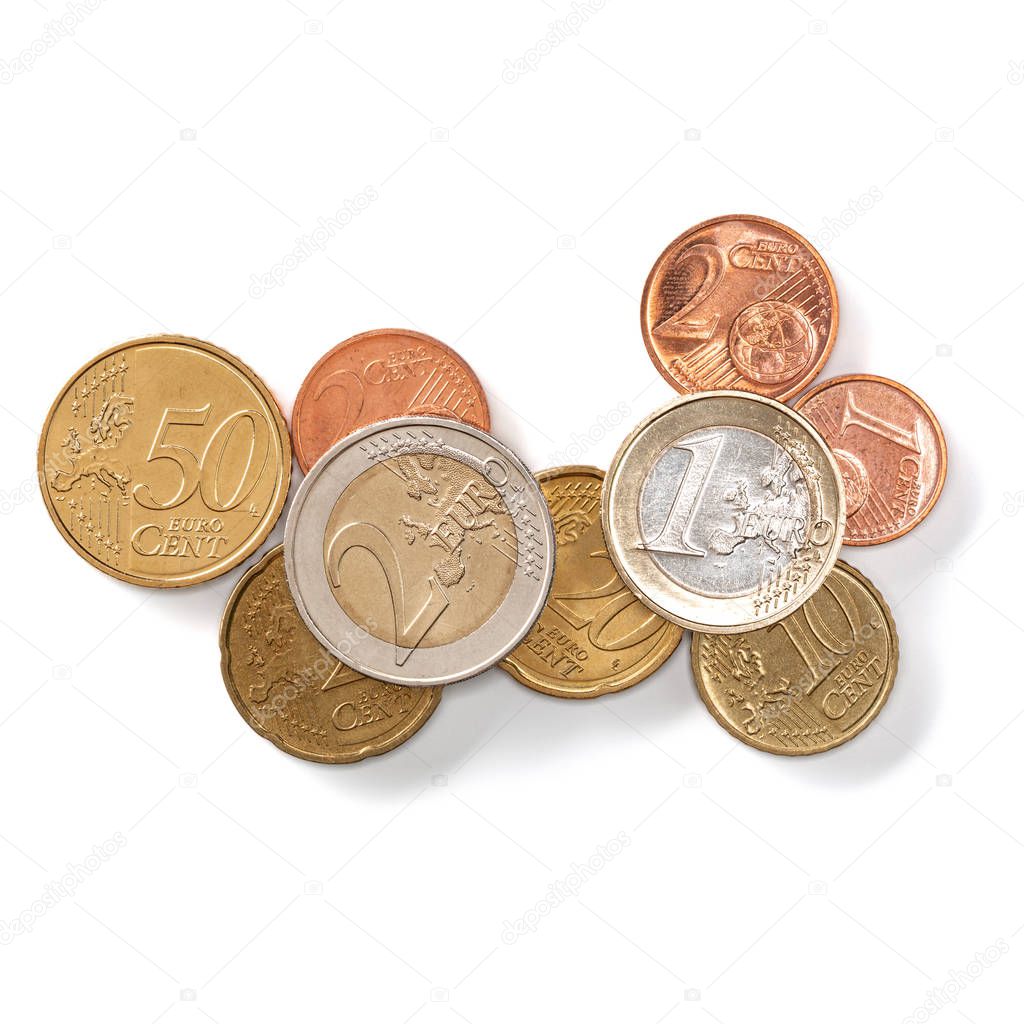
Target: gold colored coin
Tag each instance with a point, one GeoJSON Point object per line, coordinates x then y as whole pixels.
{"type": "Point", "coordinates": [810, 681]}
{"type": "Point", "coordinates": [165, 461]}
{"type": "Point", "coordinates": [293, 693]}
{"type": "Point", "coordinates": [593, 636]}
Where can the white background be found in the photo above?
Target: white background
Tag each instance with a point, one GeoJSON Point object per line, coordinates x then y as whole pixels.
{"type": "Point", "coordinates": [162, 155]}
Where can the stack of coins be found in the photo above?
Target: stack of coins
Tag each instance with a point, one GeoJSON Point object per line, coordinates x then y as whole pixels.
{"type": "Point", "coordinates": [419, 550]}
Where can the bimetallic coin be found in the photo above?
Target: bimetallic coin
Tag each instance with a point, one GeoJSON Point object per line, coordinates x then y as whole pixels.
{"type": "Point", "coordinates": [165, 461]}
{"type": "Point", "coordinates": [419, 551]}
{"type": "Point", "coordinates": [811, 681]}
{"type": "Point", "coordinates": [379, 375]}
{"type": "Point", "coordinates": [594, 636]}
{"type": "Point", "coordinates": [293, 693]}
{"type": "Point", "coordinates": [740, 302]}
{"type": "Point", "coordinates": [890, 449]}
{"type": "Point", "coordinates": [723, 511]}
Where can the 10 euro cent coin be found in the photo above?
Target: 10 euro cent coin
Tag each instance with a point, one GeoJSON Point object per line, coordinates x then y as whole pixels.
{"type": "Point", "coordinates": [419, 551]}
{"type": "Point", "coordinates": [724, 511]}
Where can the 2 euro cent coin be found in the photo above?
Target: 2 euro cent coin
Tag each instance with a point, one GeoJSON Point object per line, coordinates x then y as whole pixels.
{"type": "Point", "coordinates": [419, 551]}
{"type": "Point", "coordinates": [376, 376]}
{"type": "Point", "coordinates": [724, 511]}
{"type": "Point", "coordinates": [740, 302]}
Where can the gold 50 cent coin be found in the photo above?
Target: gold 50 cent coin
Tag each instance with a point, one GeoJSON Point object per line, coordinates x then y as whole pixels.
{"type": "Point", "coordinates": [724, 511]}
{"type": "Point", "coordinates": [811, 681]}
{"type": "Point", "coordinates": [165, 461]}
{"type": "Point", "coordinates": [593, 636]}
{"type": "Point", "coordinates": [293, 693]}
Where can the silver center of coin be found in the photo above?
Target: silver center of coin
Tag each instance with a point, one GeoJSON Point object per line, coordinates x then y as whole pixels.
{"type": "Point", "coordinates": [721, 509]}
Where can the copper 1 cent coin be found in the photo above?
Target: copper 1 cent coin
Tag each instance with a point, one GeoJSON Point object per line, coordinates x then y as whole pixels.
{"type": "Point", "coordinates": [890, 450]}
{"type": "Point", "coordinates": [293, 693]}
{"type": "Point", "coordinates": [741, 303]}
{"type": "Point", "coordinates": [380, 375]}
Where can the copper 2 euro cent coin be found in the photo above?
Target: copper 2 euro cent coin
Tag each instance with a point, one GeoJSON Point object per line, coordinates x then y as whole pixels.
{"type": "Point", "coordinates": [380, 375]}
{"type": "Point", "coordinates": [741, 303]}
{"type": "Point", "coordinates": [890, 449]}
{"type": "Point", "coordinates": [164, 461]}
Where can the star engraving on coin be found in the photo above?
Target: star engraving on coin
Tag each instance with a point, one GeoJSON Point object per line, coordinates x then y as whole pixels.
{"type": "Point", "coordinates": [723, 511]}
{"type": "Point", "coordinates": [293, 693]}
{"type": "Point", "coordinates": [740, 302]}
{"type": "Point", "coordinates": [376, 376]}
{"type": "Point", "coordinates": [419, 551]}
{"type": "Point", "coordinates": [812, 680]}
{"type": "Point", "coordinates": [890, 449]}
{"type": "Point", "coordinates": [593, 637]}
{"type": "Point", "coordinates": [165, 461]}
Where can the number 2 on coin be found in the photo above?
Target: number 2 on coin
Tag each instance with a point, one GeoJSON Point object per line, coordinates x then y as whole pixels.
{"type": "Point", "coordinates": [408, 632]}
{"type": "Point", "coordinates": [678, 326]}
{"type": "Point", "coordinates": [619, 599]}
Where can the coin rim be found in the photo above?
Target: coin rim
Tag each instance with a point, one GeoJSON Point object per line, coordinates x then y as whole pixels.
{"type": "Point", "coordinates": [806, 379]}
{"type": "Point", "coordinates": [305, 464]}
{"type": "Point", "coordinates": [650, 420]}
{"type": "Point", "coordinates": [368, 749]}
{"type": "Point", "coordinates": [865, 721]}
{"type": "Point", "coordinates": [256, 538]}
{"type": "Point", "coordinates": [440, 423]}
{"type": "Point", "coordinates": [640, 671]}
{"type": "Point", "coordinates": [848, 378]}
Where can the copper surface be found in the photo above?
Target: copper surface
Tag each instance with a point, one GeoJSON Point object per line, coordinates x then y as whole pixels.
{"type": "Point", "coordinates": [890, 450]}
{"type": "Point", "coordinates": [377, 376]}
{"type": "Point", "coordinates": [741, 303]}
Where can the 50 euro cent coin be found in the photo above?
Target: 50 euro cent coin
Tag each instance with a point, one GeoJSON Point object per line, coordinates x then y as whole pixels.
{"type": "Point", "coordinates": [164, 461]}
